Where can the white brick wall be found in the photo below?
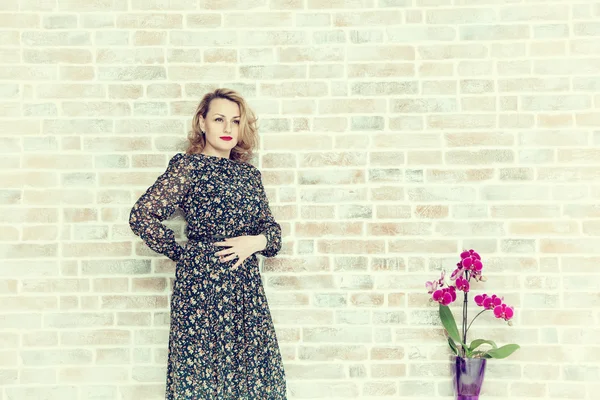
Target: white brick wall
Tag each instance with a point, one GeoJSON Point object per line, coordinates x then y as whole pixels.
{"type": "Point", "coordinates": [395, 133]}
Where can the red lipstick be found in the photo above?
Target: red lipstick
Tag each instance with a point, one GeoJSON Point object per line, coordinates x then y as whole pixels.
{"type": "Point", "coordinates": [226, 138]}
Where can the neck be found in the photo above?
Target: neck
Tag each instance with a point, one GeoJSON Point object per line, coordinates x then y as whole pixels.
{"type": "Point", "coordinates": [215, 153]}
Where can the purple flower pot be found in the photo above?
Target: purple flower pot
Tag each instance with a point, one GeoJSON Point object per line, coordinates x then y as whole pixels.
{"type": "Point", "coordinates": [468, 377]}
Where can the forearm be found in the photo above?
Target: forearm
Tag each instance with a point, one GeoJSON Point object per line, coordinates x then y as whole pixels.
{"type": "Point", "coordinates": [272, 240]}
{"type": "Point", "coordinates": [156, 236]}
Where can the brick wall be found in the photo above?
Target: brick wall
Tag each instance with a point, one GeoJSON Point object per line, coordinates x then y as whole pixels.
{"type": "Point", "coordinates": [394, 134]}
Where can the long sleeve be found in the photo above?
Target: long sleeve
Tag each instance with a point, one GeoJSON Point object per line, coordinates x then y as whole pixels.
{"type": "Point", "coordinates": [157, 204]}
{"type": "Point", "coordinates": [267, 224]}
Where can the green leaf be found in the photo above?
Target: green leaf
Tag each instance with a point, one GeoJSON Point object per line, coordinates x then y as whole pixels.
{"type": "Point", "coordinates": [478, 342]}
{"type": "Point", "coordinates": [453, 345]}
{"type": "Point", "coordinates": [504, 351]}
{"type": "Point", "coordinates": [449, 324]}
{"type": "Point", "coordinates": [480, 354]}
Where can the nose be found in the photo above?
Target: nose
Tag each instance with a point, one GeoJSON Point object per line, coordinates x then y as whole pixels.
{"type": "Point", "coordinates": [227, 127]}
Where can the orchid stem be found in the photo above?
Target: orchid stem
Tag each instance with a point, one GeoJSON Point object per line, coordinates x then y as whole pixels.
{"type": "Point", "coordinates": [465, 307]}
{"type": "Point", "coordinates": [481, 312]}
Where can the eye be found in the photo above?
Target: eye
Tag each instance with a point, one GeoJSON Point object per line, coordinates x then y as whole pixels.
{"type": "Point", "coordinates": [219, 119]}
{"type": "Point", "coordinates": [236, 122]}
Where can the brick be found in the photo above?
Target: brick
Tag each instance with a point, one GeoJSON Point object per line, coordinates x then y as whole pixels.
{"type": "Point", "coordinates": [399, 229]}
{"type": "Point", "coordinates": [286, 4]}
{"type": "Point", "coordinates": [388, 370]}
{"type": "Point", "coordinates": [51, 393]}
{"type": "Point", "coordinates": [273, 72]}
{"type": "Point", "coordinates": [256, 55]}
{"type": "Point", "coordinates": [479, 157]}
{"type": "Point", "coordinates": [367, 18]}
{"type": "Point", "coordinates": [67, 38]}
{"type": "Point", "coordinates": [30, 215]}
{"type": "Point", "coordinates": [418, 246]}
{"type": "Point", "coordinates": [380, 70]}
{"type": "Point", "coordinates": [110, 285]}
{"type": "Point", "coordinates": [462, 51]}
{"type": "Point", "coordinates": [74, 56]}
{"type": "Point", "coordinates": [300, 282]}
{"type": "Point", "coordinates": [92, 249]}
{"type": "Point", "coordinates": [350, 246]}
{"type": "Point", "coordinates": [360, 36]}
{"type": "Point", "coordinates": [149, 284]}
{"type": "Point", "coordinates": [16, 251]}
{"type": "Point", "coordinates": [584, 46]}
{"type": "Point", "coordinates": [475, 68]}
{"type": "Point", "coordinates": [529, 13]}
{"type": "Point", "coordinates": [149, 38]}
{"type": "Point", "coordinates": [54, 285]}
{"type": "Point", "coordinates": [76, 73]}
{"type": "Point", "coordinates": [97, 20]}
{"type": "Point", "coordinates": [424, 106]}
{"type": "Point", "coordinates": [392, 212]}
{"type": "Point", "coordinates": [367, 300]}
{"type": "Point", "coordinates": [220, 55]}
{"type": "Point", "coordinates": [587, 29]}
{"type": "Point", "coordinates": [54, 357]}
{"type": "Point", "coordinates": [24, 127]}
{"type": "Point", "coordinates": [567, 246]}
{"type": "Point", "coordinates": [494, 32]}
{"type": "Point", "coordinates": [262, 19]}
{"type": "Point", "coordinates": [149, 21]}
{"type": "Point", "coordinates": [142, 73]}
{"type": "Point", "coordinates": [337, 335]}
{"type": "Point", "coordinates": [302, 317]}
{"type": "Point", "coordinates": [273, 38]}
{"type": "Point", "coordinates": [99, 5]}
{"type": "Point", "coordinates": [332, 353]}
{"type": "Point", "coordinates": [553, 103]}
{"type": "Point", "coordinates": [464, 121]}
{"type": "Point", "coordinates": [38, 376]}
{"type": "Point", "coordinates": [421, 34]}
{"type": "Point", "coordinates": [337, 4]}
{"type": "Point", "coordinates": [285, 300]}
{"type": "Point", "coordinates": [395, 3]}
{"type": "Point", "coordinates": [161, 5]}
{"type": "Point", "coordinates": [382, 53]}
{"type": "Point", "coordinates": [354, 211]}
{"type": "Point", "coordinates": [460, 16]}
{"type": "Point", "coordinates": [456, 193]}
{"type": "Point", "coordinates": [329, 389]}
{"type": "Point", "coordinates": [94, 374]}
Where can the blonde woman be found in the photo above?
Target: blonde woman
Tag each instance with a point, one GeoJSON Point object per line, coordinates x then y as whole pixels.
{"type": "Point", "coordinates": [222, 341]}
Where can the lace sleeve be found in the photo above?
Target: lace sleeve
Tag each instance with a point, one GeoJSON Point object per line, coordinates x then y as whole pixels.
{"type": "Point", "coordinates": [157, 204]}
{"type": "Point", "coordinates": [267, 224]}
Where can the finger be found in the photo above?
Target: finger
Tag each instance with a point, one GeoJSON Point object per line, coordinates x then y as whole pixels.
{"type": "Point", "coordinates": [225, 252]}
{"type": "Point", "coordinates": [229, 258]}
{"type": "Point", "coordinates": [221, 244]}
{"type": "Point", "coordinates": [239, 262]}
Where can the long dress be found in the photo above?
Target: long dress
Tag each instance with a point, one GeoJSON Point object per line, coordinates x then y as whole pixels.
{"type": "Point", "coordinates": [222, 342]}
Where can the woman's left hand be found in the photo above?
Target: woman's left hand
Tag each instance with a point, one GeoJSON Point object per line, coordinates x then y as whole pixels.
{"type": "Point", "coordinates": [240, 247]}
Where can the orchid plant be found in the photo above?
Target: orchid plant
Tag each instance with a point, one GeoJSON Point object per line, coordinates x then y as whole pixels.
{"type": "Point", "coordinates": [468, 269]}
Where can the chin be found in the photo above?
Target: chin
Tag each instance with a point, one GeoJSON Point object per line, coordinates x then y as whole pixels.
{"type": "Point", "coordinates": [226, 148]}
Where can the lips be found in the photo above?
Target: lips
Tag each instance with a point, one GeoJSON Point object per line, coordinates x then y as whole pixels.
{"type": "Point", "coordinates": [226, 138]}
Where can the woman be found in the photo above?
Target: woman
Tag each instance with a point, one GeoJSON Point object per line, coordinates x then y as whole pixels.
{"type": "Point", "coordinates": [222, 342]}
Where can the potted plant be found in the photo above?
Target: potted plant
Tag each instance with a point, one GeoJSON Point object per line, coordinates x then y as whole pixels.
{"type": "Point", "coordinates": [469, 358]}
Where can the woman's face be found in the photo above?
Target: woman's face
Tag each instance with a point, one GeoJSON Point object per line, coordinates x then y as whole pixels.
{"type": "Point", "coordinates": [221, 127]}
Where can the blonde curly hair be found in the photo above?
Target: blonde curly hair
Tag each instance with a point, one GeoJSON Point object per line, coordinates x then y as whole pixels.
{"type": "Point", "coordinates": [248, 134]}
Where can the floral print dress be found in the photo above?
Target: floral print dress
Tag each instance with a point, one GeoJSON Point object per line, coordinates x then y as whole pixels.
{"type": "Point", "coordinates": [222, 343]}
